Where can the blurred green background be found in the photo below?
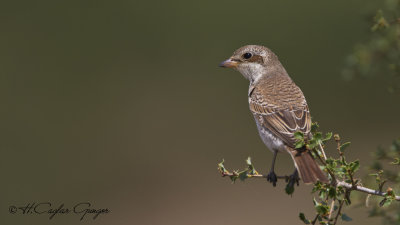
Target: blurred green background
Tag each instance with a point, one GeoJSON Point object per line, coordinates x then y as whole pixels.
{"type": "Point", "coordinates": [122, 104]}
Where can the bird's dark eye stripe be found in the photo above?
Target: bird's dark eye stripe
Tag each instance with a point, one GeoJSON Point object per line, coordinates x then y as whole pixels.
{"type": "Point", "coordinates": [247, 55]}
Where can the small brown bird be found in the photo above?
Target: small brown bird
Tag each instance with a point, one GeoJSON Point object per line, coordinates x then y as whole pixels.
{"type": "Point", "coordinates": [279, 108]}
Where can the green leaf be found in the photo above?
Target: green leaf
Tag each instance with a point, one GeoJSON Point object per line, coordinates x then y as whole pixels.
{"type": "Point", "coordinates": [313, 143]}
{"type": "Point", "coordinates": [315, 202]}
{"type": "Point", "coordinates": [385, 202]}
{"type": "Point", "coordinates": [299, 144]}
{"type": "Point", "coordinates": [221, 167]}
{"type": "Point", "coordinates": [250, 167]}
{"type": "Point", "coordinates": [299, 135]}
{"type": "Point", "coordinates": [318, 186]}
{"type": "Point", "coordinates": [289, 189]}
{"type": "Point", "coordinates": [396, 161]}
{"type": "Point", "coordinates": [346, 217]}
{"type": "Point", "coordinates": [322, 209]}
{"type": "Point", "coordinates": [317, 136]}
{"type": "Point", "coordinates": [332, 192]}
{"type": "Point", "coordinates": [322, 194]}
{"type": "Point", "coordinates": [395, 147]}
{"type": "Point", "coordinates": [303, 218]}
{"type": "Point", "coordinates": [243, 175]}
{"type": "Point", "coordinates": [354, 166]}
{"type": "Point", "coordinates": [344, 146]}
{"type": "Point", "coordinates": [248, 161]}
{"type": "Point", "coordinates": [328, 136]}
{"type": "Point", "coordinates": [380, 21]}
{"type": "Point", "coordinates": [314, 127]}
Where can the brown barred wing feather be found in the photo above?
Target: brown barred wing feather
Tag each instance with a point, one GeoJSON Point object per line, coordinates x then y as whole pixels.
{"type": "Point", "coordinates": [280, 107]}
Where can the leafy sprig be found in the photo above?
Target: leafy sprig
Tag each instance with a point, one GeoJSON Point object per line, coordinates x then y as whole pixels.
{"type": "Point", "coordinates": [332, 196]}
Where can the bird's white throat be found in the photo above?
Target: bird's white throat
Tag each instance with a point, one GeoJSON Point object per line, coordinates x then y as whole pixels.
{"type": "Point", "coordinates": [252, 71]}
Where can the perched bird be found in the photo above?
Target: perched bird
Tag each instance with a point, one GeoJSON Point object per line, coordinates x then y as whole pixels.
{"type": "Point", "coordinates": [279, 109]}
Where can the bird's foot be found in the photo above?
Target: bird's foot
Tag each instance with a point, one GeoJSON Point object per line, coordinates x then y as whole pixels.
{"type": "Point", "coordinates": [291, 181]}
{"type": "Point", "coordinates": [271, 177]}
{"type": "Point", "coordinates": [294, 178]}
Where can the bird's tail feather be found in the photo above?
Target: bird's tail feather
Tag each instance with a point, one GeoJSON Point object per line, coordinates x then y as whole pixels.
{"type": "Point", "coordinates": [307, 167]}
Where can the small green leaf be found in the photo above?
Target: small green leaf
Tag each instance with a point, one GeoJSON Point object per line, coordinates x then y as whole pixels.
{"type": "Point", "coordinates": [354, 166]}
{"type": "Point", "coordinates": [328, 136]}
{"type": "Point", "coordinates": [395, 147]}
{"type": "Point", "coordinates": [322, 209]}
{"type": "Point", "coordinates": [344, 146]}
{"type": "Point", "coordinates": [289, 189]}
{"type": "Point", "coordinates": [385, 202]}
{"type": "Point", "coordinates": [248, 161]}
{"type": "Point", "coordinates": [380, 21]}
{"type": "Point", "coordinates": [314, 127]}
{"type": "Point", "coordinates": [315, 202]}
{"type": "Point", "coordinates": [299, 135]}
{"type": "Point", "coordinates": [396, 161]}
{"type": "Point", "coordinates": [303, 218]}
{"type": "Point", "coordinates": [243, 175]}
{"type": "Point", "coordinates": [299, 144]}
{"type": "Point", "coordinates": [332, 192]}
{"type": "Point", "coordinates": [317, 136]}
{"type": "Point", "coordinates": [322, 194]}
{"type": "Point", "coordinates": [221, 167]}
{"type": "Point", "coordinates": [346, 217]}
{"type": "Point", "coordinates": [313, 143]}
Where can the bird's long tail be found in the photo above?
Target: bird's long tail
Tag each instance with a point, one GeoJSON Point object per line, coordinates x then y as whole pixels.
{"type": "Point", "coordinates": [307, 167]}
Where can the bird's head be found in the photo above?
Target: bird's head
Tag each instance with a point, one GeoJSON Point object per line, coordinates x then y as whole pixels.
{"type": "Point", "coordinates": [252, 61]}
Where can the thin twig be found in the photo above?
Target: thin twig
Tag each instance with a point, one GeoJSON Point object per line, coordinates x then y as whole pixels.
{"type": "Point", "coordinates": [254, 175]}
{"type": "Point", "coordinates": [315, 219]}
{"type": "Point", "coordinates": [339, 211]}
{"type": "Point", "coordinates": [338, 144]}
{"type": "Point", "coordinates": [322, 150]}
{"type": "Point", "coordinates": [332, 208]}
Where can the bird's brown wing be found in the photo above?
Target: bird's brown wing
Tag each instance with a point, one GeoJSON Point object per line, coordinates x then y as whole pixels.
{"type": "Point", "coordinates": [279, 106]}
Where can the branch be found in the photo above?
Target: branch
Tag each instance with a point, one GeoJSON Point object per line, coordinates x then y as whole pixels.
{"type": "Point", "coordinates": [364, 189]}
{"type": "Point", "coordinates": [227, 174]}
{"type": "Point", "coordinates": [338, 183]}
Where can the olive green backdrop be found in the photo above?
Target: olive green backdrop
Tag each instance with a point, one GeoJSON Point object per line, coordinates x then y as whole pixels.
{"type": "Point", "coordinates": [122, 104]}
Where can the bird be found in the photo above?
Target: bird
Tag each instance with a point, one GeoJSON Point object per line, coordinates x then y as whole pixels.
{"type": "Point", "coordinates": [279, 108]}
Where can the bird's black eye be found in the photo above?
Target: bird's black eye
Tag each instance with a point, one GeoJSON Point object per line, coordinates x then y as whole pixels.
{"type": "Point", "coordinates": [247, 55]}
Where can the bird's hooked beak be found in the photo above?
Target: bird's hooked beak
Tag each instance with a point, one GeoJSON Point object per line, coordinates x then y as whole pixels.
{"type": "Point", "coordinates": [229, 63]}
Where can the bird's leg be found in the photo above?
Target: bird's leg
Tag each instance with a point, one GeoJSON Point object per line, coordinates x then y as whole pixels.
{"type": "Point", "coordinates": [271, 177]}
{"type": "Point", "coordinates": [293, 179]}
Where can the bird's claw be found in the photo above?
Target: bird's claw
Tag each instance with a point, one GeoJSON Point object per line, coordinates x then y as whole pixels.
{"type": "Point", "coordinates": [271, 177]}
{"type": "Point", "coordinates": [293, 179]}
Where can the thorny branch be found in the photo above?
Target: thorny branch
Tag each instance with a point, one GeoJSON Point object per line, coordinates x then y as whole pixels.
{"type": "Point", "coordinates": [341, 174]}
{"type": "Point", "coordinates": [339, 183]}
